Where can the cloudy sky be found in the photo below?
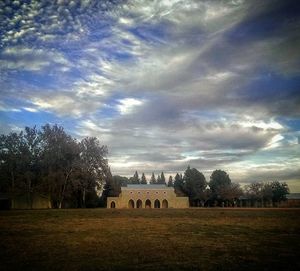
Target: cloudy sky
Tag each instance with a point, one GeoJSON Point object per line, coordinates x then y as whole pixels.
{"type": "Point", "coordinates": [164, 84]}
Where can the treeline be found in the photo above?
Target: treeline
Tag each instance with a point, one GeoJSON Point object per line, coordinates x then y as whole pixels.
{"type": "Point", "coordinates": [218, 191]}
{"type": "Point", "coordinates": [51, 162]}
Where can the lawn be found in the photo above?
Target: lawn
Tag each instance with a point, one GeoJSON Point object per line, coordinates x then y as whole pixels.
{"type": "Point", "coordinates": [156, 239]}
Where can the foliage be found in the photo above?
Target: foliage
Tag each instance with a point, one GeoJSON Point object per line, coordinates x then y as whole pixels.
{"type": "Point", "coordinates": [179, 185]}
{"type": "Point", "coordinates": [161, 179]}
{"type": "Point", "coordinates": [267, 192]}
{"type": "Point", "coordinates": [143, 180]}
{"type": "Point", "coordinates": [170, 182]}
{"type": "Point", "coordinates": [135, 179]}
{"type": "Point", "coordinates": [51, 162]}
{"type": "Point", "coordinates": [194, 186]}
{"type": "Point", "coordinates": [152, 180]}
{"type": "Point", "coordinates": [123, 181]}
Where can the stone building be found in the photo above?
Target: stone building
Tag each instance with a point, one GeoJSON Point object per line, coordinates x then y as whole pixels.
{"type": "Point", "coordinates": [147, 196]}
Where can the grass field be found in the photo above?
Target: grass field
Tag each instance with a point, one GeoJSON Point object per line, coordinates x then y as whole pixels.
{"type": "Point", "coordinates": [140, 239]}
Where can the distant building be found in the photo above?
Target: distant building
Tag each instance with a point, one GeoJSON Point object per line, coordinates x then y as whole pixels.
{"type": "Point", "coordinates": [293, 200]}
{"type": "Point", "coordinates": [24, 201]}
{"type": "Point", "coordinates": [147, 196]}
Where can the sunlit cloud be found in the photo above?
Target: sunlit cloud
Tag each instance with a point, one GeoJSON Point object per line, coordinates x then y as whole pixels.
{"type": "Point", "coordinates": [163, 84]}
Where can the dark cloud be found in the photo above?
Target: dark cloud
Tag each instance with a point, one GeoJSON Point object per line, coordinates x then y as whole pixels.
{"type": "Point", "coordinates": [164, 84]}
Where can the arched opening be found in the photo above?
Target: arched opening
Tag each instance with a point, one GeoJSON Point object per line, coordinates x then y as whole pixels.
{"type": "Point", "coordinates": [113, 205]}
{"type": "Point", "coordinates": [148, 204]}
{"type": "Point", "coordinates": [139, 204]}
{"type": "Point", "coordinates": [156, 204]}
{"type": "Point", "coordinates": [165, 204]}
{"type": "Point", "coordinates": [131, 204]}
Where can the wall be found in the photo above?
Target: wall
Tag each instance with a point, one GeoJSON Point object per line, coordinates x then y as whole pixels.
{"type": "Point", "coordinates": [166, 193]}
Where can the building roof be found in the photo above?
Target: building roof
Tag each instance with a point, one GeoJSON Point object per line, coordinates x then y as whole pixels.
{"type": "Point", "coordinates": [146, 187]}
{"type": "Point", "coordinates": [293, 196]}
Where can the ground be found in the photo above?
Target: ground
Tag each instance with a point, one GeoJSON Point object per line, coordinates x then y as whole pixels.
{"type": "Point", "coordinates": [141, 239]}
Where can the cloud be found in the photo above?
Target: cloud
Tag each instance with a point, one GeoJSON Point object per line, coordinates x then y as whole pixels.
{"type": "Point", "coordinates": [163, 83]}
{"type": "Point", "coordinates": [128, 105]}
{"type": "Point", "coordinates": [29, 59]}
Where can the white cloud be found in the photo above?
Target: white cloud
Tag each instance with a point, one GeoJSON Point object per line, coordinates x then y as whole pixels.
{"type": "Point", "coordinates": [30, 109]}
{"type": "Point", "coordinates": [128, 105]}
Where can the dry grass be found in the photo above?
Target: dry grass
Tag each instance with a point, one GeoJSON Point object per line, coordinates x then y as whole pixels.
{"type": "Point", "coordinates": [165, 239]}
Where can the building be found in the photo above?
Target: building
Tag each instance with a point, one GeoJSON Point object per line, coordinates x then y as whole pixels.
{"type": "Point", "coordinates": [24, 201]}
{"type": "Point", "coordinates": [292, 200]}
{"type": "Point", "coordinates": [147, 196]}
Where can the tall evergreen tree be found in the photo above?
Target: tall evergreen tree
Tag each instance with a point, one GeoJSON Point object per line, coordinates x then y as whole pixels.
{"type": "Point", "coordinates": [152, 180]}
{"type": "Point", "coordinates": [158, 181]}
{"type": "Point", "coordinates": [135, 179]}
{"type": "Point", "coordinates": [179, 185]}
{"type": "Point", "coordinates": [170, 182]}
{"type": "Point", "coordinates": [143, 180]}
{"type": "Point", "coordinates": [162, 179]}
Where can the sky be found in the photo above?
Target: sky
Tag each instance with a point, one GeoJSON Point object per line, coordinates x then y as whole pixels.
{"type": "Point", "coordinates": [163, 83]}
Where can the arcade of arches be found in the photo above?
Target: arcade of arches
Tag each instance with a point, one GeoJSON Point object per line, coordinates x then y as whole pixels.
{"type": "Point", "coordinates": [147, 196]}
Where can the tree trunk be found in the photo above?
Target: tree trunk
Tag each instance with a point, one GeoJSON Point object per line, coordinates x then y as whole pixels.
{"type": "Point", "coordinates": [63, 189]}
{"type": "Point", "coordinates": [83, 197]}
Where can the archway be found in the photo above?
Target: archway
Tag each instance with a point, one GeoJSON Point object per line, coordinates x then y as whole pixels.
{"type": "Point", "coordinates": [156, 203]}
{"type": "Point", "coordinates": [131, 204]}
{"type": "Point", "coordinates": [165, 204]}
{"type": "Point", "coordinates": [139, 204]}
{"type": "Point", "coordinates": [148, 204]}
{"type": "Point", "coordinates": [113, 205]}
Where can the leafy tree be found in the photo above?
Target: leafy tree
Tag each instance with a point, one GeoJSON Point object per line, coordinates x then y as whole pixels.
{"type": "Point", "coordinates": [194, 186]}
{"type": "Point", "coordinates": [267, 192]}
{"type": "Point", "coordinates": [255, 192]}
{"type": "Point", "coordinates": [51, 161]}
{"type": "Point", "coordinates": [11, 161]}
{"type": "Point", "coordinates": [123, 181]}
{"type": "Point", "coordinates": [170, 182]}
{"type": "Point", "coordinates": [280, 190]}
{"type": "Point", "coordinates": [111, 188]}
{"type": "Point", "coordinates": [60, 158]}
{"type": "Point", "coordinates": [219, 181]}
{"type": "Point", "coordinates": [158, 181]}
{"type": "Point", "coordinates": [229, 194]}
{"type": "Point", "coordinates": [143, 180]}
{"type": "Point", "coordinates": [91, 168]}
{"type": "Point", "coordinates": [152, 180]}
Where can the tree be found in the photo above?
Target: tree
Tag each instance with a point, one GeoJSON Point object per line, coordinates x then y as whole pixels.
{"type": "Point", "coordinates": [123, 181]}
{"type": "Point", "coordinates": [279, 190]}
{"type": "Point", "coordinates": [179, 185]}
{"type": "Point", "coordinates": [52, 162]}
{"type": "Point", "coordinates": [60, 158]}
{"type": "Point", "coordinates": [92, 168]}
{"type": "Point", "coordinates": [152, 180]}
{"type": "Point", "coordinates": [273, 192]}
{"type": "Point", "coordinates": [161, 179]}
{"type": "Point", "coordinates": [229, 194]}
{"type": "Point", "coordinates": [11, 161]}
{"type": "Point", "coordinates": [194, 186]}
{"type": "Point", "coordinates": [170, 182]}
{"type": "Point", "coordinates": [135, 179]}
{"type": "Point", "coordinates": [143, 180]}
{"type": "Point", "coordinates": [219, 181]}
{"type": "Point", "coordinates": [255, 192]}
{"type": "Point", "coordinates": [111, 188]}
